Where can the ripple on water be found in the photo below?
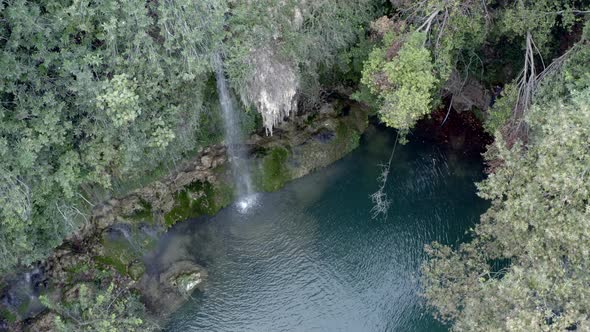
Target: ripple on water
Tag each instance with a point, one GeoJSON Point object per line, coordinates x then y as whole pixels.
{"type": "Point", "coordinates": [309, 258]}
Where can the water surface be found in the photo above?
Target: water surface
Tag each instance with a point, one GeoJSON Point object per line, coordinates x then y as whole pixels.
{"type": "Point", "coordinates": [310, 258]}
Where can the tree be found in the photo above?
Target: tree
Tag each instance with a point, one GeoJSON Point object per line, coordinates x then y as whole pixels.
{"type": "Point", "coordinates": [109, 310]}
{"type": "Point", "coordinates": [403, 85]}
{"type": "Point", "coordinates": [87, 88]}
{"type": "Point", "coordinates": [455, 33]}
{"type": "Point", "coordinates": [421, 45]}
{"type": "Point", "coordinates": [526, 268]}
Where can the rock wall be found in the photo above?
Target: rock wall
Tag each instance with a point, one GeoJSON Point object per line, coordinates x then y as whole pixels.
{"type": "Point", "coordinates": [307, 143]}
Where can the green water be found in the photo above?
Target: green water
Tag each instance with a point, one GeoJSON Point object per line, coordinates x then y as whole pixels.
{"type": "Point", "coordinates": [310, 258]}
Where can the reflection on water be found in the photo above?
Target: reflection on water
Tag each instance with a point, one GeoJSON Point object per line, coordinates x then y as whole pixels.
{"type": "Point", "coordinates": [309, 258]}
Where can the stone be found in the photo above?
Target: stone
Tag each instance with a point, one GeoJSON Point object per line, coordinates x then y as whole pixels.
{"type": "Point", "coordinates": [324, 135]}
{"type": "Point", "coordinates": [327, 109]}
{"type": "Point", "coordinates": [165, 292]}
{"type": "Point", "coordinates": [136, 270]}
{"type": "Point", "coordinates": [43, 322]}
{"type": "Point", "coordinates": [467, 94]}
{"type": "Point", "coordinates": [207, 161]}
{"type": "Point", "coordinates": [272, 88]}
{"type": "Point", "coordinates": [186, 283]}
{"type": "Point", "coordinates": [255, 138]}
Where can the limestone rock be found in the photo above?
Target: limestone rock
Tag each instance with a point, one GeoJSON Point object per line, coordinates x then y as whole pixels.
{"type": "Point", "coordinates": [272, 87]}
{"type": "Point", "coordinates": [166, 291]}
{"type": "Point", "coordinates": [43, 322]}
{"type": "Point", "coordinates": [186, 283]}
{"type": "Point", "coordinates": [207, 161]}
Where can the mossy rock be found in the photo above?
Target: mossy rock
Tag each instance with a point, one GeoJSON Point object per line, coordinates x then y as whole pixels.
{"type": "Point", "coordinates": [198, 199]}
{"type": "Point", "coordinates": [143, 214]}
{"type": "Point", "coordinates": [186, 283]}
{"type": "Point", "coordinates": [273, 172]}
{"type": "Point", "coordinates": [122, 254]}
{"type": "Point", "coordinates": [136, 270]}
{"type": "Point", "coordinates": [113, 262]}
{"type": "Point", "coordinates": [75, 271]}
{"type": "Point", "coordinates": [118, 254]}
{"type": "Point", "coordinates": [347, 139]}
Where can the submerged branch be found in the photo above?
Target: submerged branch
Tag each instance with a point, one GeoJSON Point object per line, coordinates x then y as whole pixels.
{"type": "Point", "coordinates": [379, 198]}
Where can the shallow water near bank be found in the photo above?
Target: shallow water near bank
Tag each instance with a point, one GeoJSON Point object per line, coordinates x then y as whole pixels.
{"type": "Point", "coordinates": [310, 258]}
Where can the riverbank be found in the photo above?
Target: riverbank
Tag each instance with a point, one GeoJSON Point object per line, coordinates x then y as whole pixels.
{"type": "Point", "coordinates": [109, 247]}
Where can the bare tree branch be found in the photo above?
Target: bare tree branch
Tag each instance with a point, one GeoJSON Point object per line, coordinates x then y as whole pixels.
{"type": "Point", "coordinates": [379, 198]}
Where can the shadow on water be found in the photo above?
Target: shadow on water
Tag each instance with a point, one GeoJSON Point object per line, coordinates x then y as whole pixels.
{"type": "Point", "coordinates": [309, 257]}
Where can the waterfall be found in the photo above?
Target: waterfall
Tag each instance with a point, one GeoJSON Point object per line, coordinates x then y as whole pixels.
{"type": "Point", "coordinates": [233, 138]}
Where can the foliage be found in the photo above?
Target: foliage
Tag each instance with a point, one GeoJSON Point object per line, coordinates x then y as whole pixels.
{"type": "Point", "coordinates": [92, 96]}
{"type": "Point", "coordinates": [454, 34]}
{"type": "Point", "coordinates": [537, 17]}
{"type": "Point", "coordinates": [98, 97]}
{"type": "Point", "coordinates": [105, 310]}
{"type": "Point", "coordinates": [573, 76]}
{"type": "Point", "coordinates": [416, 56]}
{"type": "Point", "coordinates": [309, 36]}
{"type": "Point", "coordinates": [538, 222]}
{"type": "Point", "coordinates": [120, 101]}
{"type": "Point", "coordinates": [348, 64]}
{"type": "Point", "coordinates": [404, 84]}
{"type": "Point", "coordinates": [499, 114]}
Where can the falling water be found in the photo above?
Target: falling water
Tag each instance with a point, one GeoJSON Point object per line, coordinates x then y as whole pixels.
{"type": "Point", "coordinates": [233, 138]}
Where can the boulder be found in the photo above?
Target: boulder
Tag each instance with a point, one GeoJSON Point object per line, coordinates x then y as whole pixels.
{"type": "Point", "coordinates": [207, 161]}
{"type": "Point", "coordinates": [164, 292]}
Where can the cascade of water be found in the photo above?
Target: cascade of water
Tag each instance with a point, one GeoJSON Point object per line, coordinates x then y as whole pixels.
{"type": "Point", "coordinates": [233, 138]}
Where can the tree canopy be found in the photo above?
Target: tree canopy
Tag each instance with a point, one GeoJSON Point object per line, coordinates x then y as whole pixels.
{"type": "Point", "coordinates": [454, 38]}
{"type": "Point", "coordinates": [527, 267]}
{"type": "Point", "coordinates": [94, 310]}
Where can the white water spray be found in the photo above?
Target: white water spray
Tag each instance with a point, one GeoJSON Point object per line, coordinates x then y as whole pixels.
{"type": "Point", "coordinates": [233, 138]}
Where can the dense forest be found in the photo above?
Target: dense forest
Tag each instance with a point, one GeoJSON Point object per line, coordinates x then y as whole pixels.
{"type": "Point", "coordinates": [101, 97]}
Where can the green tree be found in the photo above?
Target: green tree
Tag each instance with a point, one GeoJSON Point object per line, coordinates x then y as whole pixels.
{"type": "Point", "coordinates": [456, 33]}
{"type": "Point", "coordinates": [405, 84]}
{"type": "Point", "coordinates": [420, 46]}
{"type": "Point", "coordinates": [108, 310]}
{"type": "Point", "coordinates": [526, 268]}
